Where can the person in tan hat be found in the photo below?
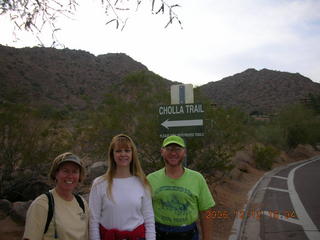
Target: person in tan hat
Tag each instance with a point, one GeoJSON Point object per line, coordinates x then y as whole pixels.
{"type": "Point", "coordinates": [59, 214]}
{"type": "Point", "coordinates": [180, 195]}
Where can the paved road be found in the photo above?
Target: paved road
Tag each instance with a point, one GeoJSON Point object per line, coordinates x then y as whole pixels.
{"type": "Point", "coordinates": [284, 204]}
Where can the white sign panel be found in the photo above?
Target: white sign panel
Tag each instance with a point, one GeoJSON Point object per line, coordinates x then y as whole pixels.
{"type": "Point", "coordinates": [182, 94]}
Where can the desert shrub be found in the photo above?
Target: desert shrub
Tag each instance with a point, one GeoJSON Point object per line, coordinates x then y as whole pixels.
{"type": "Point", "coordinates": [314, 102]}
{"type": "Point", "coordinates": [299, 125]}
{"type": "Point", "coordinates": [213, 160]}
{"type": "Point", "coordinates": [120, 113]}
{"type": "Point", "coordinates": [270, 134]}
{"type": "Point", "coordinates": [225, 134]}
{"type": "Point", "coordinates": [26, 139]}
{"type": "Point", "coordinates": [264, 156]}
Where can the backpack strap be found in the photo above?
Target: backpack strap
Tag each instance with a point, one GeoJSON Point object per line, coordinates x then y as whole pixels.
{"type": "Point", "coordinates": [80, 202]}
{"type": "Point", "coordinates": [50, 210]}
{"type": "Point", "coordinates": [51, 207]}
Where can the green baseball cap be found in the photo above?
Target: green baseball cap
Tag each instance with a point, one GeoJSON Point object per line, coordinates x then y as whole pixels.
{"type": "Point", "coordinates": [173, 140]}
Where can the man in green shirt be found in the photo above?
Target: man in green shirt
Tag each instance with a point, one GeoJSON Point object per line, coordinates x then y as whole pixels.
{"type": "Point", "coordinates": [179, 196]}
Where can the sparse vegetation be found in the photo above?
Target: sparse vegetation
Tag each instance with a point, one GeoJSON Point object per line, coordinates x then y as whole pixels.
{"type": "Point", "coordinates": [225, 134]}
{"type": "Point", "coordinates": [314, 102]}
{"type": "Point", "coordinates": [27, 140]}
{"type": "Point", "coordinates": [299, 125]}
{"type": "Point", "coordinates": [85, 111]}
{"type": "Point", "coordinates": [264, 156]}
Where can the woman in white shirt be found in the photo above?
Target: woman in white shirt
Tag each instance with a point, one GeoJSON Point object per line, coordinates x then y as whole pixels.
{"type": "Point", "coordinates": [120, 200]}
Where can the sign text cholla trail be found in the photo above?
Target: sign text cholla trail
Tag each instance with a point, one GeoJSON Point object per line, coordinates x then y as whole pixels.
{"type": "Point", "coordinates": [185, 120]}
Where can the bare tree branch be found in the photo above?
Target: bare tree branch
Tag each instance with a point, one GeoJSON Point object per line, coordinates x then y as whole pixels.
{"type": "Point", "coordinates": [35, 15]}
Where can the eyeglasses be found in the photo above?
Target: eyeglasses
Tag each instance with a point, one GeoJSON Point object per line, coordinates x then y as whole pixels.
{"type": "Point", "coordinates": [174, 149]}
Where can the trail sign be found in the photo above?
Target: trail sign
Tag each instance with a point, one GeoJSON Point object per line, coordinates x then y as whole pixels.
{"type": "Point", "coordinates": [182, 94]}
{"type": "Point", "coordinates": [185, 120]}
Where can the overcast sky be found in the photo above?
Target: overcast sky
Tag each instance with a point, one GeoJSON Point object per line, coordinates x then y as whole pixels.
{"type": "Point", "coordinates": [219, 38]}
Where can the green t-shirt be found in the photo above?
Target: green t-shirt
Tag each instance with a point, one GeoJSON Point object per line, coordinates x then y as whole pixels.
{"type": "Point", "coordinates": [177, 202]}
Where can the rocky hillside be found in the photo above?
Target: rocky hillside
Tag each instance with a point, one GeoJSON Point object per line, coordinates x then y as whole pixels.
{"type": "Point", "coordinates": [263, 91]}
{"type": "Point", "coordinates": [61, 77]}
{"type": "Point", "coordinates": [73, 79]}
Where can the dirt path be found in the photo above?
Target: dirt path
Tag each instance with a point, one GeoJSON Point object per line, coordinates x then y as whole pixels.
{"type": "Point", "coordinates": [9, 230]}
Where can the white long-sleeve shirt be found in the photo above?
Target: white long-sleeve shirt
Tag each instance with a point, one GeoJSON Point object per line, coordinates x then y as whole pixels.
{"type": "Point", "coordinates": [131, 206]}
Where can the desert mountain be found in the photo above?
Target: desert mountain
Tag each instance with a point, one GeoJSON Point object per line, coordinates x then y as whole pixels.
{"type": "Point", "coordinates": [76, 79]}
{"type": "Point", "coordinates": [263, 91]}
{"type": "Point", "coordinates": [61, 77]}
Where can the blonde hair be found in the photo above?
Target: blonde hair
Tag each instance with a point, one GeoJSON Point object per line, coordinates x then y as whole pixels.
{"type": "Point", "coordinates": [64, 158]}
{"type": "Point", "coordinates": [135, 166]}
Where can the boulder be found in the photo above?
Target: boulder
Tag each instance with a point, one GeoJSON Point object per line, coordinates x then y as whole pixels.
{"type": "Point", "coordinates": [24, 189]}
{"type": "Point", "coordinates": [95, 170]}
{"type": "Point", "coordinates": [19, 211]}
{"type": "Point", "coordinates": [34, 190]}
{"type": "Point", "coordinates": [5, 208]}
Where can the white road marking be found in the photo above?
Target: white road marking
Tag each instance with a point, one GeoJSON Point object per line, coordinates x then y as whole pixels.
{"type": "Point", "coordinates": [306, 222]}
{"type": "Point", "coordinates": [277, 189]}
{"type": "Point", "coordinates": [279, 177]}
